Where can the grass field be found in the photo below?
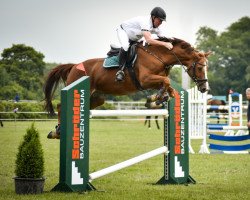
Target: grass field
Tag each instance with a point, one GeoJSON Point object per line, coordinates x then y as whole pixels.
{"type": "Point", "coordinates": [218, 176]}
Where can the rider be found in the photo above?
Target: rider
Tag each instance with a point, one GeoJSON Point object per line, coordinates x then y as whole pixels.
{"type": "Point", "coordinates": [134, 29]}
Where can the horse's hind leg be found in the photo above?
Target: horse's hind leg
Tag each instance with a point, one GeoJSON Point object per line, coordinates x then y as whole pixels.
{"type": "Point", "coordinates": [56, 134]}
{"type": "Point", "coordinates": [96, 99]}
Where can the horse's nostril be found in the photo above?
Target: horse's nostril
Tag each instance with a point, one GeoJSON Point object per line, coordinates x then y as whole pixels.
{"type": "Point", "coordinates": [203, 90]}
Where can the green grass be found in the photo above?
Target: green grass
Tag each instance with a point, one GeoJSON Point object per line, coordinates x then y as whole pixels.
{"type": "Point", "coordinates": [218, 176]}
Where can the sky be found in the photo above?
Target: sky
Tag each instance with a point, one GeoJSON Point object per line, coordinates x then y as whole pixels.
{"type": "Point", "coordinates": [76, 30]}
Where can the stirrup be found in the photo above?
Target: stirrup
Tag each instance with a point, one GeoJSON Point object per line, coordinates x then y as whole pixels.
{"type": "Point", "coordinates": [120, 76]}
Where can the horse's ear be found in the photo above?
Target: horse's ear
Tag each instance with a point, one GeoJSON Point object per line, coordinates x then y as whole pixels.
{"type": "Point", "coordinates": [208, 53]}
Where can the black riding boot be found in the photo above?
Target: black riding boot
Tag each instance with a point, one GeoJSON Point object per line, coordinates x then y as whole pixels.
{"type": "Point", "coordinates": [122, 63]}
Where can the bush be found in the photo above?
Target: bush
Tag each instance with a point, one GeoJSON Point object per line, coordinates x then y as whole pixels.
{"type": "Point", "coordinates": [30, 159]}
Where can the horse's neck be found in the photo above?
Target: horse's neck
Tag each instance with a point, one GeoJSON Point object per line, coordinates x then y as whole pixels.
{"type": "Point", "coordinates": [158, 54]}
{"type": "Point", "coordinates": [160, 57]}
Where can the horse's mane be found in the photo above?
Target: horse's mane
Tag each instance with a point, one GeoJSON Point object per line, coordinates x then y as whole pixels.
{"type": "Point", "coordinates": [175, 41]}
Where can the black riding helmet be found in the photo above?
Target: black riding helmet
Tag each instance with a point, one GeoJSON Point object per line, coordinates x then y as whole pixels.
{"type": "Point", "coordinates": [159, 12]}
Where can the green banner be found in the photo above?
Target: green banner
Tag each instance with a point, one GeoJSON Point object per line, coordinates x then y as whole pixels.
{"type": "Point", "coordinates": [74, 143]}
{"type": "Point", "coordinates": [74, 139]}
{"type": "Point", "coordinates": [176, 163]}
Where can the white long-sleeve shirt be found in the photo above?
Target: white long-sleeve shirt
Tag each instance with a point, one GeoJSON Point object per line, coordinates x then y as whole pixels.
{"type": "Point", "coordinates": [134, 27]}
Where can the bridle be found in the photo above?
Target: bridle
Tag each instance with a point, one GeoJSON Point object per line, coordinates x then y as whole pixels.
{"type": "Point", "coordinates": [194, 77]}
{"type": "Point", "coordinates": [187, 69]}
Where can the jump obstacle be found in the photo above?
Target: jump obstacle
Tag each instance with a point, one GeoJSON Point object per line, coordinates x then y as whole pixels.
{"type": "Point", "coordinates": [74, 143]}
{"type": "Point", "coordinates": [230, 143]}
{"type": "Point", "coordinates": [235, 139]}
{"type": "Point", "coordinates": [200, 129]}
{"type": "Point", "coordinates": [234, 108]}
{"type": "Point", "coordinates": [197, 118]}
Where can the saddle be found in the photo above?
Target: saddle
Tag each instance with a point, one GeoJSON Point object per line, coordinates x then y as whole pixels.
{"type": "Point", "coordinates": [114, 55]}
{"type": "Point", "coordinates": [113, 58]}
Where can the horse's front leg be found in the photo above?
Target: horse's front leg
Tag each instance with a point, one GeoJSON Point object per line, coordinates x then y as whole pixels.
{"type": "Point", "coordinates": [167, 88]}
{"type": "Point", "coordinates": [160, 80]}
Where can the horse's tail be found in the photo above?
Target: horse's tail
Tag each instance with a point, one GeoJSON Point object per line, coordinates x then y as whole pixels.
{"type": "Point", "coordinates": [58, 73]}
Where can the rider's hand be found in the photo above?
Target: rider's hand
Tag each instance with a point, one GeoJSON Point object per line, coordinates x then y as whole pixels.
{"type": "Point", "coordinates": [168, 45]}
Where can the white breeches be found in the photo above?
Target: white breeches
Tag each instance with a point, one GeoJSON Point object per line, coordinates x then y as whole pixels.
{"type": "Point", "coordinates": [123, 38]}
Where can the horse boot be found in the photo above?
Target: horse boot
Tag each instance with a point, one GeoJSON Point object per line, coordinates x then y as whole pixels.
{"type": "Point", "coordinates": [122, 63]}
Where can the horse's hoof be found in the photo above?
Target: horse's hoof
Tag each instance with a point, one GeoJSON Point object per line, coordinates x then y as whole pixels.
{"type": "Point", "coordinates": [172, 94]}
{"type": "Point", "coordinates": [155, 105]}
{"type": "Point", "coordinates": [53, 135]}
{"type": "Point", "coordinates": [152, 98]}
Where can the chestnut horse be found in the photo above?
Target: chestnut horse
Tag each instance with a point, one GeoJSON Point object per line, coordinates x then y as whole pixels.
{"type": "Point", "coordinates": [151, 70]}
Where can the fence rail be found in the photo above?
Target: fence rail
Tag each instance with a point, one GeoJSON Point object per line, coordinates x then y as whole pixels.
{"type": "Point", "coordinates": [115, 116]}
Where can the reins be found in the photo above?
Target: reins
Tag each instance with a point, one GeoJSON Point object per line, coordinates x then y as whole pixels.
{"type": "Point", "coordinates": [152, 54]}
{"type": "Point", "coordinates": [194, 77]}
{"type": "Point", "coordinates": [167, 67]}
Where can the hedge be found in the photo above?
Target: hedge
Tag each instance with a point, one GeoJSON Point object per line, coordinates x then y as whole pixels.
{"type": "Point", "coordinates": [31, 106]}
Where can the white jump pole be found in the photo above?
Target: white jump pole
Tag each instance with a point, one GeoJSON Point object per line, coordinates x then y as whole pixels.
{"type": "Point", "coordinates": [128, 163]}
{"type": "Point", "coordinates": [235, 128]}
{"type": "Point", "coordinates": [115, 113]}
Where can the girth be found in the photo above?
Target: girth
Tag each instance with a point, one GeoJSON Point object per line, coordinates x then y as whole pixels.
{"type": "Point", "coordinates": [132, 56]}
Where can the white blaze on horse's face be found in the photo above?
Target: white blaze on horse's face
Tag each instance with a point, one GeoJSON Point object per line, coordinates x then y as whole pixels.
{"type": "Point", "coordinates": [205, 72]}
{"type": "Point", "coordinates": [199, 73]}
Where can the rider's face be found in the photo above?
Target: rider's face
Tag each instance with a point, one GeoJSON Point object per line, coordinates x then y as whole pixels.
{"type": "Point", "coordinates": [156, 22]}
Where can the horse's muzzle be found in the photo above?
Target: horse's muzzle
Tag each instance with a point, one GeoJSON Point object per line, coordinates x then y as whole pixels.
{"type": "Point", "coordinates": [204, 88]}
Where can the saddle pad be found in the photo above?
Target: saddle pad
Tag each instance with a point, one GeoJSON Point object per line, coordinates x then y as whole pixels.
{"type": "Point", "coordinates": [111, 62]}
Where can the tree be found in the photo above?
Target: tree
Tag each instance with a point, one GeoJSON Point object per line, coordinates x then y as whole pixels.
{"type": "Point", "coordinates": [24, 66]}
{"type": "Point", "coordinates": [229, 66]}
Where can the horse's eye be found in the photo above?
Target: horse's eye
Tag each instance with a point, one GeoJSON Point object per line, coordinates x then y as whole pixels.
{"type": "Point", "coordinates": [200, 68]}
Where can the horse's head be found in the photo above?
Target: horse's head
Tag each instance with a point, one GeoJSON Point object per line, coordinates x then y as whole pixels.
{"type": "Point", "coordinates": [196, 63]}
{"type": "Point", "coordinates": [197, 70]}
